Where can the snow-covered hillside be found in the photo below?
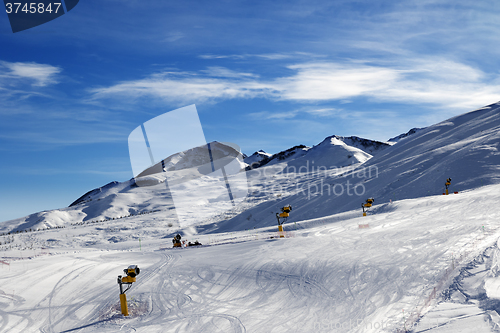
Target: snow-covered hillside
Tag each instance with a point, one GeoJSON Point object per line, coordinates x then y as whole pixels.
{"type": "Point", "coordinates": [407, 266]}
{"type": "Point", "coordinates": [193, 158]}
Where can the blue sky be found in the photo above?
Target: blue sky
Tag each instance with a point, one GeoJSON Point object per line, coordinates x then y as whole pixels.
{"type": "Point", "coordinates": [263, 74]}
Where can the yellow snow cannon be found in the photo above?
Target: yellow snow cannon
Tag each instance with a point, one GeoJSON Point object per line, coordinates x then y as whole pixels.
{"type": "Point", "coordinates": [131, 272]}
{"type": "Point", "coordinates": [447, 184]}
{"type": "Point", "coordinates": [282, 217]}
{"type": "Point", "coordinates": [367, 205]}
{"type": "Point", "coordinates": [177, 241]}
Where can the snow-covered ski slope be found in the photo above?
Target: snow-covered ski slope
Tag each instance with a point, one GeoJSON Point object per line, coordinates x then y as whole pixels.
{"type": "Point", "coordinates": [336, 272]}
{"type": "Point", "coordinates": [339, 273]}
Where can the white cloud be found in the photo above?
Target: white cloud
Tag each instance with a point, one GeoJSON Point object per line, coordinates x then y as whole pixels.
{"type": "Point", "coordinates": [330, 81]}
{"type": "Point", "coordinates": [435, 81]}
{"type": "Point", "coordinates": [39, 74]}
{"type": "Point", "coordinates": [185, 87]}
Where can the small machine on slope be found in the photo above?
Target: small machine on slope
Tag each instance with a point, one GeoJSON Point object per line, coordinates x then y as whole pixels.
{"type": "Point", "coordinates": [447, 184]}
{"type": "Point", "coordinates": [367, 205]}
{"type": "Point", "coordinates": [282, 217]}
{"type": "Point", "coordinates": [131, 272]}
{"type": "Point", "coordinates": [177, 241]}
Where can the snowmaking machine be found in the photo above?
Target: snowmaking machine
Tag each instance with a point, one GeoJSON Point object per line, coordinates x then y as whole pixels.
{"type": "Point", "coordinates": [177, 241]}
{"type": "Point", "coordinates": [447, 184]}
{"type": "Point", "coordinates": [366, 205]}
{"type": "Point", "coordinates": [282, 217]}
{"type": "Point", "coordinates": [131, 272]}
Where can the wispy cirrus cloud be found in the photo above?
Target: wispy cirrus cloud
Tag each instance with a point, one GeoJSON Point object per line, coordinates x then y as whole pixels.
{"type": "Point", "coordinates": [268, 115]}
{"type": "Point", "coordinates": [323, 112]}
{"type": "Point", "coordinates": [174, 36]}
{"type": "Point", "coordinates": [182, 87]}
{"type": "Point", "coordinates": [39, 75]}
{"type": "Point", "coordinates": [63, 133]}
{"type": "Point", "coordinates": [434, 81]}
{"type": "Point", "coordinates": [20, 81]}
{"type": "Point", "coordinates": [286, 115]}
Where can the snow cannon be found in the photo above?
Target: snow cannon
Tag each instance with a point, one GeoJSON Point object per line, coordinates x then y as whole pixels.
{"type": "Point", "coordinates": [177, 241]}
{"type": "Point", "coordinates": [367, 205]}
{"type": "Point", "coordinates": [282, 217]}
{"type": "Point", "coordinates": [447, 184]}
{"type": "Point", "coordinates": [131, 272]}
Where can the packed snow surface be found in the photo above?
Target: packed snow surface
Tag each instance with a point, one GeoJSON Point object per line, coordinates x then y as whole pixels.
{"type": "Point", "coordinates": [342, 273]}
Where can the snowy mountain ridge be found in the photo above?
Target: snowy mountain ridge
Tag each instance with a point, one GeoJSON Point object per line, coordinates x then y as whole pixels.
{"type": "Point", "coordinates": [256, 158]}
{"type": "Point", "coordinates": [404, 135]}
{"type": "Point", "coordinates": [370, 147]}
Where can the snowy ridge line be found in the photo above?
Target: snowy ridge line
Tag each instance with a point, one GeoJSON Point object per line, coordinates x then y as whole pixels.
{"type": "Point", "coordinates": [454, 265]}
